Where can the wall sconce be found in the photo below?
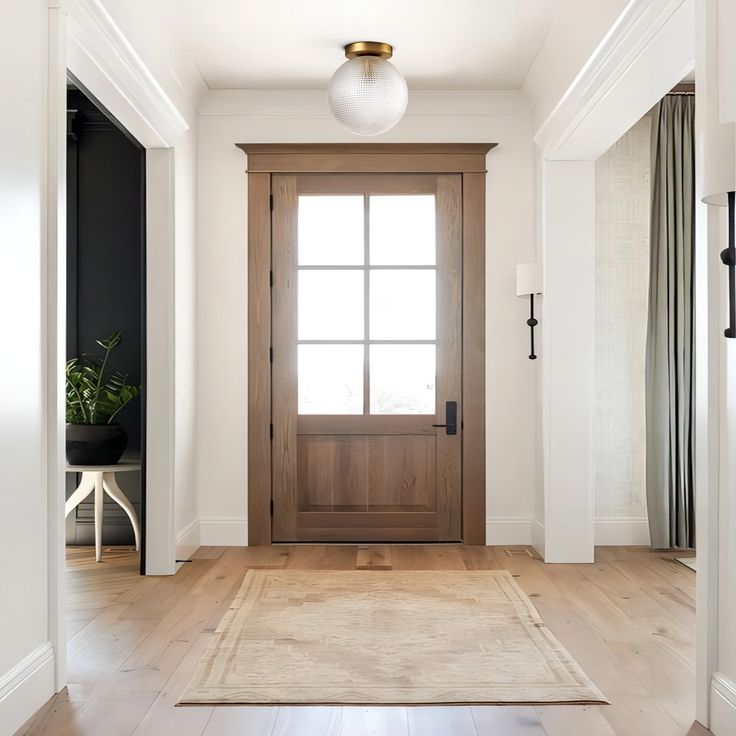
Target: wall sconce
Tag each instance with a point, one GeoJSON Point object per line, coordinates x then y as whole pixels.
{"type": "Point", "coordinates": [728, 255]}
{"type": "Point", "coordinates": [529, 283]}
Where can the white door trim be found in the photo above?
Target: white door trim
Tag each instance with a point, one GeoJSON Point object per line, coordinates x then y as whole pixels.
{"type": "Point", "coordinates": [84, 40]}
{"type": "Point", "coordinates": [609, 95]}
{"type": "Point", "coordinates": [648, 50]}
{"type": "Point", "coordinates": [54, 330]}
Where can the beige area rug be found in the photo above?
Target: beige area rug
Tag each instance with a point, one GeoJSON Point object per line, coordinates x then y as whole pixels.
{"type": "Point", "coordinates": [382, 638]}
{"type": "Point", "coordinates": [688, 562]}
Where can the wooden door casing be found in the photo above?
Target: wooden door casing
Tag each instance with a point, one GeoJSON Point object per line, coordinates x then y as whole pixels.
{"type": "Point", "coordinates": [366, 477]}
{"type": "Point", "coordinates": [263, 162]}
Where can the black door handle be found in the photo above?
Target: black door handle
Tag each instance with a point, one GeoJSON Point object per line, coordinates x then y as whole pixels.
{"type": "Point", "coordinates": [450, 417]}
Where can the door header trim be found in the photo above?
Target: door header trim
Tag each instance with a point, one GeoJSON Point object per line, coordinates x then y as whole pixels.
{"type": "Point", "coordinates": [426, 158]}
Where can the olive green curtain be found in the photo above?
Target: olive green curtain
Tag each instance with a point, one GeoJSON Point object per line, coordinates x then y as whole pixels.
{"type": "Point", "coordinates": [670, 329]}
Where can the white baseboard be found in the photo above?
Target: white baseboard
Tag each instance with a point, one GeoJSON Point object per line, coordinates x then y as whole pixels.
{"type": "Point", "coordinates": [722, 705]}
{"type": "Point", "coordinates": [621, 531]}
{"type": "Point", "coordinates": [508, 530]}
{"type": "Point", "coordinates": [223, 531]}
{"type": "Point", "coordinates": [188, 541]}
{"type": "Point", "coordinates": [26, 687]}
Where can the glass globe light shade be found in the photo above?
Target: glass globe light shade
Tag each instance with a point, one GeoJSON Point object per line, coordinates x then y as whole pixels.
{"type": "Point", "coordinates": [367, 95]}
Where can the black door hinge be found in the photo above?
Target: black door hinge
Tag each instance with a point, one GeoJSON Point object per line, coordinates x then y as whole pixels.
{"type": "Point", "coordinates": [270, 202]}
{"type": "Point", "coordinates": [270, 431]}
{"type": "Point", "coordinates": [270, 278]}
{"type": "Point", "coordinates": [271, 506]}
{"type": "Point", "coordinates": [270, 355]}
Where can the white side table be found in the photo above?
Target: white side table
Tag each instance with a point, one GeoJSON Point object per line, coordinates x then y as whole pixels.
{"type": "Point", "coordinates": [99, 478]}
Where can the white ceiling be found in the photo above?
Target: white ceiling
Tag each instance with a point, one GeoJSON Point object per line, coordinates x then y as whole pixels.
{"type": "Point", "coordinates": [297, 44]}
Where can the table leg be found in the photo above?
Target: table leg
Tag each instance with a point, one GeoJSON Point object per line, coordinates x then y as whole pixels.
{"type": "Point", "coordinates": [86, 486]}
{"type": "Point", "coordinates": [99, 501]}
{"type": "Point", "coordinates": [117, 495]}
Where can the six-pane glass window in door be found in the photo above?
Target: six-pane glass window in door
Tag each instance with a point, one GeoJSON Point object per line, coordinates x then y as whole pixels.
{"type": "Point", "coordinates": [366, 299]}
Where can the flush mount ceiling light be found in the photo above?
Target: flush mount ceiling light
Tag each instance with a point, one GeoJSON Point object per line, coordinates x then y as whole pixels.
{"type": "Point", "coordinates": [367, 94]}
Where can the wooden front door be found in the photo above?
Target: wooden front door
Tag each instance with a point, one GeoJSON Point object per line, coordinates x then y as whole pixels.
{"type": "Point", "coordinates": [367, 350]}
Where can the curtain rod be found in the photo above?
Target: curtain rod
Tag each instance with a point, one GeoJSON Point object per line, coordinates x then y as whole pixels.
{"type": "Point", "coordinates": [685, 88]}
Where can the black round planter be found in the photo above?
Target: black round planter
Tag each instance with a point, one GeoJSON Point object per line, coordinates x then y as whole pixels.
{"type": "Point", "coordinates": [95, 444]}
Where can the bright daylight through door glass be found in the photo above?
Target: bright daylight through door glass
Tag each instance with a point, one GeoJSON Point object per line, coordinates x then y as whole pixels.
{"type": "Point", "coordinates": [394, 361]}
{"type": "Point", "coordinates": [402, 230]}
{"type": "Point", "coordinates": [402, 379]}
{"type": "Point", "coordinates": [330, 305]}
{"type": "Point", "coordinates": [330, 379]}
{"type": "Point", "coordinates": [331, 231]}
{"type": "Point", "coordinates": [403, 305]}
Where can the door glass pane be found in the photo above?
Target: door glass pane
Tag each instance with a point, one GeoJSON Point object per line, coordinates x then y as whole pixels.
{"type": "Point", "coordinates": [330, 305]}
{"type": "Point", "coordinates": [402, 230]}
{"type": "Point", "coordinates": [402, 379]}
{"type": "Point", "coordinates": [330, 379]}
{"type": "Point", "coordinates": [330, 231]}
{"type": "Point", "coordinates": [402, 305]}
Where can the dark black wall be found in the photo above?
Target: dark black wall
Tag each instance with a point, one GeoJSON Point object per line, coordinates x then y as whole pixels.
{"type": "Point", "coordinates": [105, 278]}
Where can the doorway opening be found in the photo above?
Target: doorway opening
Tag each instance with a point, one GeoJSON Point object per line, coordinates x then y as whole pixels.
{"type": "Point", "coordinates": [105, 296]}
{"type": "Point", "coordinates": [645, 214]}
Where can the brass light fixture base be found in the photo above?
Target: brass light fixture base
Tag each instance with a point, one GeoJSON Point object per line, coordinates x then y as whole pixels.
{"type": "Point", "coordinates": [369, 48]}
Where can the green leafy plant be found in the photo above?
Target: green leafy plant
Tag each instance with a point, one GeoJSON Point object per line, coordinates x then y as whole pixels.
{"type": "Point", "coordinates": [91, 396]}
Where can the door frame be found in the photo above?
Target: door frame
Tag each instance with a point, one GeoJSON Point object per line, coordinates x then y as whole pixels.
{"type": "Point", "coordinates": [466, 159]}
{"type": "Point", "coordinates": [84, 41]}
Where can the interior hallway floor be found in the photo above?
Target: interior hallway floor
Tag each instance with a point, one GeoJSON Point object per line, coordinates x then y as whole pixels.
{"type": "Point", "coordinates": [629, 620]}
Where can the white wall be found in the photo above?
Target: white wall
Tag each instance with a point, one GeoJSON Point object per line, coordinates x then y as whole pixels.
{"type": "Point", "coordinates": [23, 528]}
{"type": "Point", "coordinates": [236, 117]}
{"type": "Point", "coordinates": [622, 287]}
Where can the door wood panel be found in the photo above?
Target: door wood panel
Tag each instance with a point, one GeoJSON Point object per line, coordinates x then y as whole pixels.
{"type": "Point", "coordinates": [402, 472]}
{"type": "Point", "coordinates": [366, 477]}
{"type": "Point", "coordinates": [366, 473]}
{"type": "Point", "coordinates": [332, 472]}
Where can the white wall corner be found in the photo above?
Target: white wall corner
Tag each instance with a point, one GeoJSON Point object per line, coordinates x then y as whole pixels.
{"type": "Point", "coordinates": [722, 705]}
{"type": "Point", "coordinates": [188, 541]}
{"type": "Point", "coordinates": [223, 531]}
{"type": "Point", "coordinates": [508, 530]}
{"type": "Point", "coordinates": [537, 530]}
{"type": "Point", "coordinates": [621, 532]}
{"type": "Point", "coordinates": [26, 687]}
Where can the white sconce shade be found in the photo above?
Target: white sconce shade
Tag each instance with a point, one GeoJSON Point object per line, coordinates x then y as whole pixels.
{"type": "Point", "coordinates": [719, 160]}
{"type": "Point", "coordinates": [717, 136]}
{"type": "Point", "coordinates": [528, 279]}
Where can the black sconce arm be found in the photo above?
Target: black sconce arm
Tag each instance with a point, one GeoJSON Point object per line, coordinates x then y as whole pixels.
{"type": "Point", "coordinates": [728, 257]}
{"type": "Point", "coordinates": [532, 322]}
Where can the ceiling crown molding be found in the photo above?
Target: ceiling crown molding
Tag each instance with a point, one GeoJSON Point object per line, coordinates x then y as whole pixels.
{"type": "Point", "coordinates": [627, 40]}
{"type": "Point", "coordinates": [98, 48]}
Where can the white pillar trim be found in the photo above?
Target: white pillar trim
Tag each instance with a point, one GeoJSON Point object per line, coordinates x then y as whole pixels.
{"type": "Point", "coordinates": [568, 358]}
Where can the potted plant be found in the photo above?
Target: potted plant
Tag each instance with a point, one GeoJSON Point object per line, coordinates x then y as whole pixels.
{"type": "Point", "coordinates": [93, 400]}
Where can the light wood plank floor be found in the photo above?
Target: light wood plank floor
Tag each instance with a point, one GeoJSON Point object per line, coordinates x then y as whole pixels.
{"type": "Point", "coordinates": [133, 642]}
